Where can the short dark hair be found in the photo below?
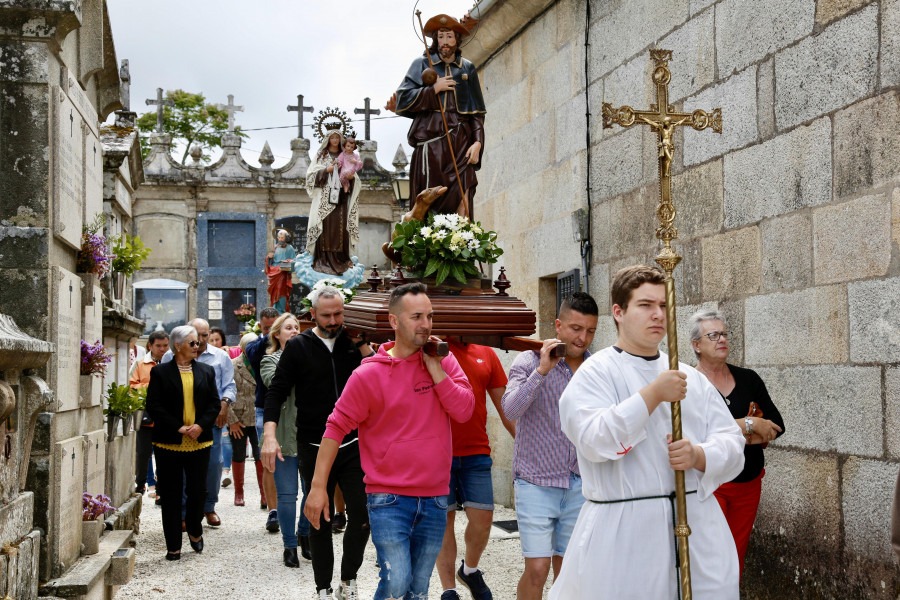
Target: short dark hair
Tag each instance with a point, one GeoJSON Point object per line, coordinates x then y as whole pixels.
{"type": "Point", "coordinates": [157, 335]}
{"type": "Point", "coordinates": [398, 292]}
{"type": "Point", "coordinates": [269, 312]}
{"type": "Point", "coordinates": [629, 279]}
{"type": "Point", "coordinates": [580, 302]}
{"type": "Point", "coordinates": [218, 330]}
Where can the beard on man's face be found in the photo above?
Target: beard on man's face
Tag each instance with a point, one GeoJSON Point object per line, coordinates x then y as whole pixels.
{"type": "Point", "coordinates": [448, 51]}
{"type": "Point", "coordinates": [330, 331]}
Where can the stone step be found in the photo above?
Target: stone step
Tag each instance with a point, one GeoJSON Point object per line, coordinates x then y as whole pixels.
{"type": "Point", "coordinates": [90, 570]}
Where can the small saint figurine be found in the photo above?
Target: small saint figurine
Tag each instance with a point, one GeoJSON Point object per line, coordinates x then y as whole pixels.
{"type": "Point", "coordinates": [349, 162]}
{"type": "Point", "coordinates": [279, 266]}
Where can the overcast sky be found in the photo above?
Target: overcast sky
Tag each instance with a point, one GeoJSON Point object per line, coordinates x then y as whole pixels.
{"type": "Point", "coordinates": [335, 53]}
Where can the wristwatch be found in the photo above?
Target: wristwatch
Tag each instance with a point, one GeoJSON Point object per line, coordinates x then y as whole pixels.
{"type": "Point", "coordinates": [749, 423]}
{"type": "Point", "coordinates": [361, 343]}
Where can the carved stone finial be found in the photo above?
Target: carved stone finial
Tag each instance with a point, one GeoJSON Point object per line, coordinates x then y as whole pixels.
{"type": "Point", "coordinates": [196, 153]}
{"type": "Point", "coordinates": [398, 279]}
{"type": "Point", "coordinates": [266, 158]}
{"type": "Point", "coordinates": [400, 160]}
{"type": "Point", "coordinates": [374, 279]}
{"type": "Point", "coordinates": [502, 283]}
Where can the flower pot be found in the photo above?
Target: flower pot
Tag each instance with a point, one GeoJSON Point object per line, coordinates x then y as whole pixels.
{"type": "Point", "coordinates": [118, 285]}
{"type": "Point", "coordinates": [451, 286]}
{"type": "Point", "coordinates": [136, 418]}
{"type": "Point", "coordinates": [90, 536]}
{"type": "Point", "coordinates": [112, 424]}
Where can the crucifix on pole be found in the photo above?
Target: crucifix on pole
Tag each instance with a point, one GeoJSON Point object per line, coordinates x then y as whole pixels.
{"type": "Point", "coordinates": [663, 118]}
{"type": "Point", "coordinates": [300, 109]}
{"type": "Point", "coordinates": [367, 112]}
{"type": "Point", "coordinates": [230, 108]}
{"type": "Point", "coordinates": [160, 106]}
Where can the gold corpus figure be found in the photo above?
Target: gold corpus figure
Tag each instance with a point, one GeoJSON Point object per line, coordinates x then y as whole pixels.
{"type": "Point", "coordinates": [663, 118]}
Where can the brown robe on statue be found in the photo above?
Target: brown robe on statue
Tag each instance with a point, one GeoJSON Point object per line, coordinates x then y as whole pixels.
{"type": "Point", "coordinates": [332, 253]}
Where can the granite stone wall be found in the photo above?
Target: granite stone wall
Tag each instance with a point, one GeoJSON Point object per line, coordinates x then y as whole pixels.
{"type": "Point", "coordinates": [788, 222]}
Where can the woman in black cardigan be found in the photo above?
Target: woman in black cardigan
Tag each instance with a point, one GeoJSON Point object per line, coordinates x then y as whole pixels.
{"type": "Point", "coordinates": [183, 401]}
{"type": "Point", "coordinates": [745, 395]}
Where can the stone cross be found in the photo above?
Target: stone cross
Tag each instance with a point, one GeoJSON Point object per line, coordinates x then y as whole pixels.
{"type": "Point", "coordinates": [663, 118]}
{"type": "Point", "coordinates": [230, 108]}
{"type": "Point", "coordinates": [160, 105]}
{"type": "Point", "coordinates": [300, 109]}
{"type": "Point", "coordinates": [367, 112]}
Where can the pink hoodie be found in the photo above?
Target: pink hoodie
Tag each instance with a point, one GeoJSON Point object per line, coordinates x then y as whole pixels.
{"type": "Point", "coordinates": [404, 422]}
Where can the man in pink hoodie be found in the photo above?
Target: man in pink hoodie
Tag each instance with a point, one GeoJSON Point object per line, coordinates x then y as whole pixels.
{"type": "Point", "coordinates": [401, 400]}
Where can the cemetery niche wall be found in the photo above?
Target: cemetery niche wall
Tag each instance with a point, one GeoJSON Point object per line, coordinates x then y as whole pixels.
{"type": "Point", "coordinates": [209, 226]}
{"type": "Point", "coordinates": [61, 168]}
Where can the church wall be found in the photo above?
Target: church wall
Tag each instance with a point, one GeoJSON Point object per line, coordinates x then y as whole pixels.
{"type": "Point", "coordinates": [788, 223]}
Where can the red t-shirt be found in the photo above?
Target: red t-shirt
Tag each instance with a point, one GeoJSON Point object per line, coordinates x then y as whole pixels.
{"type": "Point", "coordinates": [484, 371]}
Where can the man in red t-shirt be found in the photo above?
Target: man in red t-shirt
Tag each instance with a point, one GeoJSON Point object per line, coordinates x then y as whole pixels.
{"type": "Point", "coordinates": [470, 475]}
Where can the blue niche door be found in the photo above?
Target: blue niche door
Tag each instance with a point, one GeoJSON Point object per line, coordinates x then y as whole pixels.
{"type": "Point", "coordinates": [231, 244]}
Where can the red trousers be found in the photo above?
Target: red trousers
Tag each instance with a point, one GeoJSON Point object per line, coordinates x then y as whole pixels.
{"type": "Point", "coordinates": [739, 502]}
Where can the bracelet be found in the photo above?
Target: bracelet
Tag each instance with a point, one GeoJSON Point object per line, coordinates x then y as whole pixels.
{"type": "Point", "coordinates": [749, 423]}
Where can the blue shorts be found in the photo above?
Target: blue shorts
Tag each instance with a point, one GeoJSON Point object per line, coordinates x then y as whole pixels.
{"type": "Point", "coordinates": [470, 483]}
{"type": "Point", "coordinates": [547, 516]}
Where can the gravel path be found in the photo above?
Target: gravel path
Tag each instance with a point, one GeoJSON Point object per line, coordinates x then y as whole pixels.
{"type": "Point", "coordinates": [241, 561]}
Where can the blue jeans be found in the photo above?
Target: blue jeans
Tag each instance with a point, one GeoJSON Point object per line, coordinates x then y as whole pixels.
{"type": "Point", "coordinates": [214, 473]}
{"type": "Point", "coordinates": [470, 482]}
{"type": "Point", "coordinates": [259, 424]}
{"type": "Point", "coordinates": [407, 532]}
{"type": "Point", "coordinates": [226, 449]}
{"type": "Point", "coordinates": [287, 474]}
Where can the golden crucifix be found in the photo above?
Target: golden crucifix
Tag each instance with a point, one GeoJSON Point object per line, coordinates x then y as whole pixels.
{"type": "Point", "coordinates": [663, 118]}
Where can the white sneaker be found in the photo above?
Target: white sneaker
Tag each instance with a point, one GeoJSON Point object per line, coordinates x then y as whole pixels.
{"type": "Point", "coordinates": [324, 595]}
{"type": "Point", "coordinates": [346, 591]}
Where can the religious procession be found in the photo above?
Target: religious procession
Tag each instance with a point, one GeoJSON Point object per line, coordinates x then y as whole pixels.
{"type": "Point", "coordinates": [620, 324]}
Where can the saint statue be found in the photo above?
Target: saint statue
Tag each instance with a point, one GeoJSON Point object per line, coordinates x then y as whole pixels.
{"type": "Point", "coordinates": [279, 266]}
{"type": "Point", "coordinates": [333, 230]}
{"type": "Point", "coordinates": [453, 84]}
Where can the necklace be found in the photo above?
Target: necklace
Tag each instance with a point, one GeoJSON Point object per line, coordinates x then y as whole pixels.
{"type": "Point", "coordinates": [184, 368]}
{"type": "Point", "coordinates": [710, 378]}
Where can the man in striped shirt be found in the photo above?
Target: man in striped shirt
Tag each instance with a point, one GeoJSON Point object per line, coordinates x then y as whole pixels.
{"type": "Point", "coordinates": [545, 465]}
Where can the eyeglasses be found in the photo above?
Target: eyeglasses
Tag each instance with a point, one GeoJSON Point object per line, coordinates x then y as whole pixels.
{"type": "Point", "coordinates": [195, 343]}
{"type": "Point", "coordinates": [715, 336]}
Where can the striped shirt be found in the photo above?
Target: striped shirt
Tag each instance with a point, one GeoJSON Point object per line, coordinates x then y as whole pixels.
{"type": "Point", "coordinates": [543, 454]}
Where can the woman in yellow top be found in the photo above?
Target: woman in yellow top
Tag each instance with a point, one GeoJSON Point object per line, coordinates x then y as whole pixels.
{"type": "Point", "coordinates": [183, 401]}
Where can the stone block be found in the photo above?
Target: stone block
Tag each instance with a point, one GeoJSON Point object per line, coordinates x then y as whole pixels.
{"type": "Point", "coordinates": [552, 82]}
{"type": "Point", "coordinates": [25, 247]}
{"type": "Point", "coordinates": [683, 327]}
{"type": "Point", "coordinates": [829, 408]}
{"type": "Point", "coordinates": [866, 145]}
{"type": "Point", "coordinates": [629, 85]}
{"type": "Point", "coordinates": [801, 498]}
{"type": "Point", "coordinates": [737, 98]}
{"type": "Point", "coordinates": [698, 197]}
{"type": "Point", "coordinates": [618, 164]}
{"type": "Point", "coordinates": [895, 218]}
{"type": "Point", "coordinates": [639, 220]}
{"type": "Point", "coordinates": [558, 235]}
{"type": "Point", "coordinates": [874, 321]}
{"type": "Point", "coordinates": [852, 240]}
{"type": "Point", "coordinates": [606, 228]}
{"type": "Point", "coordinates": [166, 237]}
{"type": "Point", "coordinates": [534, 136]}
{"type": "Point", "coordinates": [784, 174]}
{"type": "Point", "coordinates": [868, 490]}
{"type": "Point", "coordinates": [786, 252]}
{"type": "Point", "coordinates": [890, 43]}
{"type": "Point", "coordinates": [563, 188]}
{"type": "Point", "coordinates": [748, 31]}
{"type": "Point", "coordinates": [16, 518]}
{"type": "Point", "coordinates": [689, 277]}
{"type": "Point", "coordinates": [765, 99]}
{"type": "Point", "coordinates": [539, 41]}
{"type": "Point", "coordinates": [829, 10]}
{"type": "Point", "coordinates": [630, 27]}
{"type": "Point", "coordinates": [731, 264]}
{"type": "Point", "coordinates": [693, 62]}
{"type": "Point", "coordinates": [808, 326]}
{"type": "Point", "coordinates": [892, 412]}
{"type": "Point", "coordinates": [734, 315]}
{"type": "Point", "coordinates": [827, 71]}
{"type": "Point", "coordinates": [598, 286]}
{"type": "Point", "coordinates": [699, 5]}
{"type": "Point", "coordinates": [606, 333]}
{"type": "Point", "coordinates": [569, 132]}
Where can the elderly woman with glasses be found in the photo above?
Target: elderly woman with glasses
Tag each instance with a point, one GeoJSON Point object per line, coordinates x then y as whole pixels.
{"type": "Point", "coordinates": [744, 392]}
{"type": "Point", "coordinates": [183, 401]}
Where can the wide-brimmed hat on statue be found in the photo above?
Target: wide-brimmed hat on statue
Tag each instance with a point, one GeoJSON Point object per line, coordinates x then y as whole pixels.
{"type": "Point", "coordinates": [290, 237]}
{"type": "Point", "coordinates": [444, 22]}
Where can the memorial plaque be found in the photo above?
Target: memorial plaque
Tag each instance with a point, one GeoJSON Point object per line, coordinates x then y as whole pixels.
{"type": "Point", "coordinates": [215, 295]}
{"type": "Point", "coordinates": [298, 293]}
{"type": "Point", "coordinates": [215, 304]}
{"type": "Point", "coordinates": [297, 227]}
{"type": "Point", "coordinates": [94, 461]}
{"type": "Point", "coordinates": [93, 176]}
{"type": "Point", "coordinates": [215, 315]}
{"type": "Point", "coordinates": [65, 507]}
{"type": "Point", "coordinates": [92, 322]}
{"type": "Point", "coordinates": [65, 332]}
{"type": "Point", "coordinates": [68, 170]}
{"type": "Point", "coordinates": [83, 105]}
{"type": "Point", "coordinates": [231, 244]}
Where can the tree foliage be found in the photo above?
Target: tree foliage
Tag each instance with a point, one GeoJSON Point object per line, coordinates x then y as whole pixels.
{"type": "Point", "coordinates": [190, 121]}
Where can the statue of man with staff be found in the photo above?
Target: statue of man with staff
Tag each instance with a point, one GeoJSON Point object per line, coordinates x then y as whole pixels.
{"type": "Point", "coordinates": [442, 96]}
